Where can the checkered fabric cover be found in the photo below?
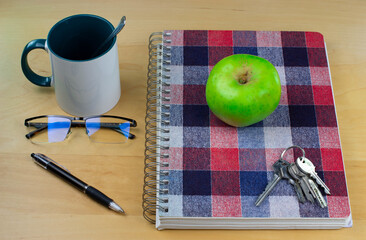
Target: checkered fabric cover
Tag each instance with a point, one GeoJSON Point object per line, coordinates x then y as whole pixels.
{"type": "Point", "coordinates": [216, 170]}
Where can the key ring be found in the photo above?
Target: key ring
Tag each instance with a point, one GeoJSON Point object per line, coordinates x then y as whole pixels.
{"type": "Point", "coordinates": [294, 146]}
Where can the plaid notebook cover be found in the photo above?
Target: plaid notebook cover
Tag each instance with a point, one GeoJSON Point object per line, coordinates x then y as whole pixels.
{"type": "Point", "coordinates": [219, 171]}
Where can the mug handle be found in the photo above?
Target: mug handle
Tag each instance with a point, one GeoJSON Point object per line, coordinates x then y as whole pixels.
{"type": "Point", "coordinates": [32, 76]}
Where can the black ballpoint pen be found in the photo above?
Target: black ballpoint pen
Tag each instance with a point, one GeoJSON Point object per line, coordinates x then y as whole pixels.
{"type": "Point", "coordinates": [47, 163]}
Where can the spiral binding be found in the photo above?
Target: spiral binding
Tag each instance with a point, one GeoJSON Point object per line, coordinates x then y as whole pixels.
{"type": "Point", "coordinates": [156, 127]}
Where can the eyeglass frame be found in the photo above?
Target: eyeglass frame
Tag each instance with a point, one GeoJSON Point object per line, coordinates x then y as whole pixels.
{"type": "Point", "coordinates": [133, 123]}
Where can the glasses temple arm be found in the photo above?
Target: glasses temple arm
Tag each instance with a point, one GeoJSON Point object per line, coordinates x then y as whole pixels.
{"type": "Point", "coordinates": [34, 132]}
{"type": "Point", "coordinates": [133, 123]}
{"type": "Point", "coordinates": [130, 135]}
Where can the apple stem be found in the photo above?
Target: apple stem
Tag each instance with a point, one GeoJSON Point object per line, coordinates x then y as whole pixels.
{"type": "Point", "coordinates": [244, 77]}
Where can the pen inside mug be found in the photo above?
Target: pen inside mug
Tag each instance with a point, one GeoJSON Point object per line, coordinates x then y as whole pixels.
{"type": "Point", "coordinates": [120, 26]}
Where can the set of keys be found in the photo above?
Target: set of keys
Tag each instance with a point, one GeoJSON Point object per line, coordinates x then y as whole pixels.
{"type": "Point", "coordinates": [301, 175]}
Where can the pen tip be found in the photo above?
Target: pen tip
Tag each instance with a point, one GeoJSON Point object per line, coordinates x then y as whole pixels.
{"type": "Point", "coordinates": [32, 155]}
{"type": "Point", "coordinates": [114, 206]}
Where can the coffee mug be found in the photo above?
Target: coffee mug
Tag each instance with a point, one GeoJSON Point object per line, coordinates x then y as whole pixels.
{"type": "Point", "coordinates": [84, 85]}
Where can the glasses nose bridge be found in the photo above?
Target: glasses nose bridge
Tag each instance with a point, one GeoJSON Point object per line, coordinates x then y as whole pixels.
{"type": "Point", "coordinates": [78, 118]}
{"type": "Point", "coordinates": [78, 122]}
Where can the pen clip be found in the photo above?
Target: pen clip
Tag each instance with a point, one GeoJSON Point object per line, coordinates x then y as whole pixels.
{"type": "Point", "coordinates": [53, 161]}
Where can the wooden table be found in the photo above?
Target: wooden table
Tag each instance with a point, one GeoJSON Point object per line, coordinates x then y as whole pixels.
{"type": "Point", "coordinates": [36, 205]}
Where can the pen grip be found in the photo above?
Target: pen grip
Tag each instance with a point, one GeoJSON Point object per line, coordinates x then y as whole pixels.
{"type": "Point", "coordinates": [98, 196]}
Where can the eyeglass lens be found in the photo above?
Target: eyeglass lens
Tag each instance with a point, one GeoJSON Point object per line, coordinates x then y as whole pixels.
{"type": "Point", "coordinates": [50, 129]}
{"type": "Point", "coordinates": [107, 130]}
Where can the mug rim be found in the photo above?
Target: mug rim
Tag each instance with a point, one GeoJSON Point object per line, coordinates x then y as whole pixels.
{"type": "Point", "coordinates": [81, 15]}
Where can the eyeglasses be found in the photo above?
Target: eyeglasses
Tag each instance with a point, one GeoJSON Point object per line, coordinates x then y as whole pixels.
{"type": "Point", "coordinates": [102, 128]}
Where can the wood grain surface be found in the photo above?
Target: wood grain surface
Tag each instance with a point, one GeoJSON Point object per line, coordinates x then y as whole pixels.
{"type": "Point", "coordinates": [36, 205]}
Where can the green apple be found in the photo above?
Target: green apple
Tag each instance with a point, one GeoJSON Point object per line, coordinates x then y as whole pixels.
{"type": "Point", "coordinates": [243, 89]}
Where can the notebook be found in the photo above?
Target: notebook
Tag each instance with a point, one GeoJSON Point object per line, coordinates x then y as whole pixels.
{"type": "Point", "coordinates": [201, 173]}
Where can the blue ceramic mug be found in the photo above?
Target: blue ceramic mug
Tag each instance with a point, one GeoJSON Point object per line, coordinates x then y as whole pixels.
{"type": "Point", "coordinates": [84, 85]}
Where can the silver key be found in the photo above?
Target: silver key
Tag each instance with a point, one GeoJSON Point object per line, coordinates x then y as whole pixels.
{"type": "Point", "coordinates": [308, 191]}
{"type": "Point", "coordinates": [305, 186]}
{"type": "Point", "coordinates": [299, 192]}
{"type": "Point", "coordinates": [306, 166]}
{"type": "Point", "coordinates": [280, 172]}
{"type": "Point", "coordinates": [319, 197]}
{"type": "Point", "coordinates": [296, 179]}
{"type": "Point", "coordinates": [291, 180]}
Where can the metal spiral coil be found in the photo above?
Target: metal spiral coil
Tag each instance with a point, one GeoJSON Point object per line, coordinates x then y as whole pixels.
{"type": "Point", "coordinates": [157, 106]}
